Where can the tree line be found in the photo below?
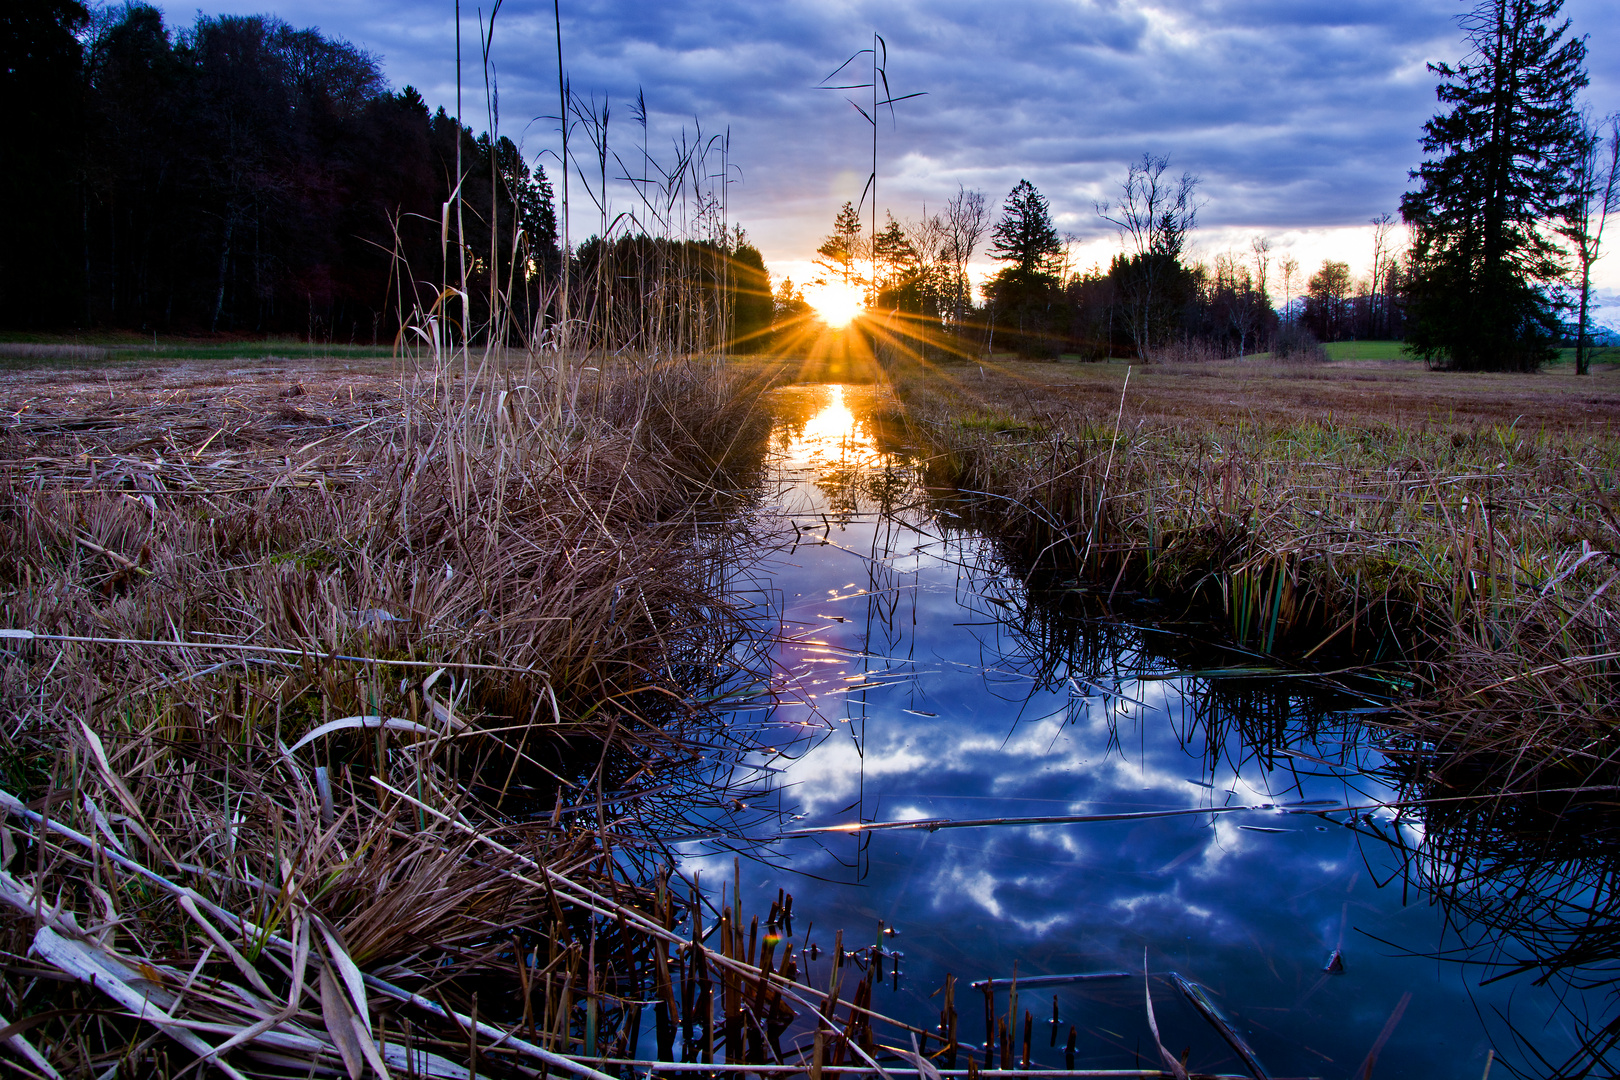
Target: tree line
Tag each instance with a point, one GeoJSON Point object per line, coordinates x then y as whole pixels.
{"type": "Point", "coordinates": [1152, 301]}
{"type": "Point", "coordinates": [1506, 221]}
{"type": "Point", "coordinates": [242, 176]}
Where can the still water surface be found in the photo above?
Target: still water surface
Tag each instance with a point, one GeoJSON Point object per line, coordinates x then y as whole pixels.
{"type": "Point", "coordinates": [916, 678]}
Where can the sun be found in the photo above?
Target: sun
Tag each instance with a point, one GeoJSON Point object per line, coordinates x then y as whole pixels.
{"type": "Point", "coordinates": [835, 302]}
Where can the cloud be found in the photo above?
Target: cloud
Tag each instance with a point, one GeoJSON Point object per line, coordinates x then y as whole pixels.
{"type": "Point", "coordinates": [1299, 117]}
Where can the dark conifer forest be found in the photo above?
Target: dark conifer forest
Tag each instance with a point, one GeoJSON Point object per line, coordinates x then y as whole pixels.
{"type": "Point", "coordinates": [239, 175]}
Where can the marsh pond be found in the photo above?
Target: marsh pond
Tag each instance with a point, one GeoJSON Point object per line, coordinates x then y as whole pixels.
{"type": "Point", "coordinates": [967, 774]}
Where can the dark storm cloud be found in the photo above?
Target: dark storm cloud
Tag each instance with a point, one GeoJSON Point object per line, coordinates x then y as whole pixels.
{"type": "Point", "coordinates": [1296, 116]}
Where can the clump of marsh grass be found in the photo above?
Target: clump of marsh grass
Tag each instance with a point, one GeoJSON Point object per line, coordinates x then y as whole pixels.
{"type": "Point", "coordinates": [410, 690]}
{"type": "Point", "coordinates": [1479, 560]}
{"type": "Point", "coordinates": [36, 352]}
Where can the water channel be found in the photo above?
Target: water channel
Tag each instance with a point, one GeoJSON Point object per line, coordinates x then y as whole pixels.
{"type": "Point", "coordinates": [918, 679]}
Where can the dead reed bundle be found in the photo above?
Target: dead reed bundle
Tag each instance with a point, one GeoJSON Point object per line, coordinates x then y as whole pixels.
{"type": "Point", "coordinates": [1482, 560]}
{"type": "Point", "coordinates": [413, 696]}
{"type": "Point", "coordinates": [1528, 686]}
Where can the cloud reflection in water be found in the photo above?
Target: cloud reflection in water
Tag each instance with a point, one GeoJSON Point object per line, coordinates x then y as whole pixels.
{"type": "Point", "coordinates": [949, 696]}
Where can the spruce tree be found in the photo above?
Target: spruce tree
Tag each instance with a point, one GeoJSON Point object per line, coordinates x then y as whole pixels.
{"type": "Point", "coordinates": [1025, 236]}
{"type": "Point", "coordinates": [1022, 295]}
{"type": "Point", "coordinates": [1497, 179]}
{"type": "Point", "coordinates": [841, 252]}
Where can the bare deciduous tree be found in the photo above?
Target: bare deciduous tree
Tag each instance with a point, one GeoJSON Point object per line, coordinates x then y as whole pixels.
{"type": "Point", "coordinates": [1290, 270]}
{"type": "Point", "coordinates": [930, 236]}
{"type": "Point", "coordinates": [1382, 225]}
{"type": "Point", "coordinates": [967, 218]}
{"type": "Point", "coordinates": [1327, 300]}
{"type": "Point", "coordinates": [1260, 248]}
{"type": "Point", "coordinates": [1596, 182]}
{"type": "Point", "coordinates": [1235, 297]}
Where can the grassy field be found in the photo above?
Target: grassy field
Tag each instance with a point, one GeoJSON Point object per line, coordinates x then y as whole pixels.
{"type": "Point", "coordinates": [1462, 528]}
{"type": "Point", "coordinates": [1348, 391]}
{"type": "Point", "coordinates": [1366, 350]}
{"type": "Point", "coordinates": [1395, 350]}
{"type": "Point", "coordinates": [18, 352]}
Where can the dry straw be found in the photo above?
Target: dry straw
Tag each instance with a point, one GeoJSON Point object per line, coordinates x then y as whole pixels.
{"type": "Point", "coordinates": [293, 699]}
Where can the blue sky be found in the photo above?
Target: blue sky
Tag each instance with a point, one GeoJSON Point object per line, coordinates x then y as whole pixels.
{"type": "Point", "coordinates": [1302, 119]}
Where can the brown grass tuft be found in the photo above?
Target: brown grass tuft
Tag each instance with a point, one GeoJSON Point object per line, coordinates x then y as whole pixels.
{"type": "Point", "coordinates": [375, 682]}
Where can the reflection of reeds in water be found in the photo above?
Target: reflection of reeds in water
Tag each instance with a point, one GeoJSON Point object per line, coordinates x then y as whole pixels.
{"type": "Point", "coordinates": [1459, 553]}
{"type": "Point", "coordinates": [1231, 705]}
{"type": "Point", "coordinates": [1528, 887]}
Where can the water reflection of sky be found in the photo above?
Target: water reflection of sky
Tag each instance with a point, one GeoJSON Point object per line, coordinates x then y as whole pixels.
{"type": "Point", "coordinates": [915, 684]}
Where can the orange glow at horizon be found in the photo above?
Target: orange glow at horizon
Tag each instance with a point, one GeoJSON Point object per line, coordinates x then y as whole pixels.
{"type": "Point", "coordinates": [836, 303]}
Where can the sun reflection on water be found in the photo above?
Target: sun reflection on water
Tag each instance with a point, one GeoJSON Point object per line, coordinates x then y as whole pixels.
{"type": "Point", "coordinates": [915, 678]}
{"type": "Point", "coordinates": [827, 455]}
{"type": "Point", "coordinates": [832, 428]}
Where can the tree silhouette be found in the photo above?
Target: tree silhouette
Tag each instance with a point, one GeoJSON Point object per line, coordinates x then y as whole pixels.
{"type": "Point", "coordinates": [1596, 176]}
{"type": "Point", "coordinates": [1023, 294]}
{"type": "Point", "coordinates": [1327, 301]}
{"type": "Point", "coordinates": [1498, 175]}
{"type": "Point", "coordinates": [1025, 235]}
{"type": "Point", "coordinates": [841, 253]}
{"type": "Point", "coordinates": [965, 221]}
{"type": "Point", "coordinates": [1154, 214]}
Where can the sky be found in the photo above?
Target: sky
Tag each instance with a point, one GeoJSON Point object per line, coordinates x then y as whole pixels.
{"type": "Point", "coordinates": [1301, 119]}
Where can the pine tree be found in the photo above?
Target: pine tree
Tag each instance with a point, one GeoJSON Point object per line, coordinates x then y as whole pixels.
{"type": "Point", "coordinates": [1022, 295]}
{"type": "Point", "coordinates": [841, 252]}
{"type": "Point", "coordinates": [1497, 179]}
{"type": "Point", "coordinates": [1025, 235]}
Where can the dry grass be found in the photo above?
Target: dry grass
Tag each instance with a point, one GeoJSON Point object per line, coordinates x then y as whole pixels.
{"type": "Point", "coordinates": [34, 352]}
{"type": "Point", "coordinates": [1465, 528]}
{"type": "Point", "coordinates": [1223, 394]}
{"type": "Point", "coordinates": [304, 676]}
